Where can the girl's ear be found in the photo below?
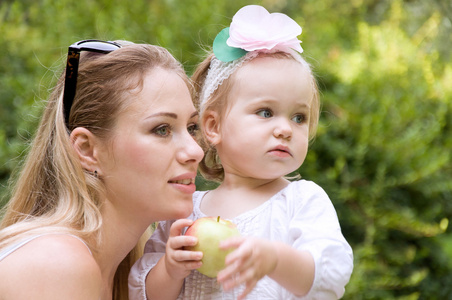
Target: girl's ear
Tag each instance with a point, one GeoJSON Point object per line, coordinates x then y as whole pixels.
{"type": "Point", "coordinates": [84, 143]}
{"type": "Point", "coordinates": [211, 125]}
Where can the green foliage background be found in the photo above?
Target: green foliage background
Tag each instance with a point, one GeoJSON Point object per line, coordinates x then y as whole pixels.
{"type": "Point", "coordinates": [383, 150]}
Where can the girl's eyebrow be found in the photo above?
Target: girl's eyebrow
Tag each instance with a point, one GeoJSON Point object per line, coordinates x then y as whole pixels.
{"type": "Point", "coordinates": [305, 105]}
{"type": "Point", "coordinates": [270, 101]}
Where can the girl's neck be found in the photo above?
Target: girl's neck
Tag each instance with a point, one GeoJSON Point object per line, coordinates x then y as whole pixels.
{"type": "Point", "coordinates": [234, 182]}
{"type": "Point", "coordinates": [236, 196]}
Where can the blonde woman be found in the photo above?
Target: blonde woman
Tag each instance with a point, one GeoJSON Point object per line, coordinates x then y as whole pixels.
{"type": "Point", "coordinates": [114, 152]}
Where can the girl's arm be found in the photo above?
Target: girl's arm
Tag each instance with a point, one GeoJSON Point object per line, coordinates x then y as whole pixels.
{"type": "Point", "coordinates": [318, 261]}
{"type": "Point", "coordinates": [166, 278]}
{"type": "Point", "coordinates": [254, 258]}
{"type": "Point", "coordinates": [294, 269]}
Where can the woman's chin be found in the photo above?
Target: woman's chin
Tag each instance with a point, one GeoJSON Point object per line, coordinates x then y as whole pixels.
{"type": "Point", "coordinates": [183, 210]}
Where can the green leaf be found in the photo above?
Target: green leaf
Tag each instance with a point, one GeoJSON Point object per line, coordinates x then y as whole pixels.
{"type": "Point", "coordinates": [224, 52]}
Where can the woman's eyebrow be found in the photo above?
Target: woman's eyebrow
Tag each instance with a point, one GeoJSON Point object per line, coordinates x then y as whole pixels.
{"type": "Point", "coordinates": [170, 115]}
{"type": "Point", "coordinates": [163, 114]}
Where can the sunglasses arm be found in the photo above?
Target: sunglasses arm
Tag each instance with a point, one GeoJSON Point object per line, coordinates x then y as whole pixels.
{"type": "Point", "coordinates": [70, 81]}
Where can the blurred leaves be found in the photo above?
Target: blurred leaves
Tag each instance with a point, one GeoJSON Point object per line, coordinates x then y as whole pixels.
{"type": "Point", "coordinates": [383, 149]}
{"type": "Point", "coordinates": [383, 154]}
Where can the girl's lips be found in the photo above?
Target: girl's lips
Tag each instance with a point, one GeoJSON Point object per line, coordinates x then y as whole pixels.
{"type": "Point", "coordinates": [281, 151]}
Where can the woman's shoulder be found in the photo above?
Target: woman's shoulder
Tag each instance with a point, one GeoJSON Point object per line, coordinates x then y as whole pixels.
{"type": "Point", "coordinates": [53, 265]}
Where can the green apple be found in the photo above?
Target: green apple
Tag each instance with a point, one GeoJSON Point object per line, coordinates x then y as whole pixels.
{"type": "Point", "coordinates": [210, 231]}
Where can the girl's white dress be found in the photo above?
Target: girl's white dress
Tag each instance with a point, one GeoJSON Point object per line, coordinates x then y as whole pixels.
{"type": "Point", "coordinates": [300, 215]}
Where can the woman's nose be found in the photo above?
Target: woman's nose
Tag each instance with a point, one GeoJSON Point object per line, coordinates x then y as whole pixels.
{"type": "Point", "coordinates": [190, 151]}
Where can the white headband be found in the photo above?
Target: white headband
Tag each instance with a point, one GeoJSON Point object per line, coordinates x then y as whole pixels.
{"type": "Point", "coordinates": [253, 30]}
{"type": "Point", "coordinates": [218, 72]}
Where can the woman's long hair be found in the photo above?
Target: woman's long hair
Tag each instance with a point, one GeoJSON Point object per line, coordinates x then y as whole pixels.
{"type": "Point", "coordinates": [53, 193]}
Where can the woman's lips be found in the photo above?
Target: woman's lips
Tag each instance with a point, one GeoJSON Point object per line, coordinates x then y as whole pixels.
{"type": "Point", "coordinates": [184, 183]}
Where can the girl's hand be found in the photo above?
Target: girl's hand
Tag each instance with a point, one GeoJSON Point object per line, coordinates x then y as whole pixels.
{"type": "Point", "coordinates": [180, 262]}
{"type": "Point", "coordinates": [252, 260]}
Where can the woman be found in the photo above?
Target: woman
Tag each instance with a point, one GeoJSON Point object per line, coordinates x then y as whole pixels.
{"type": "Point", "coordinates": [114, 152]}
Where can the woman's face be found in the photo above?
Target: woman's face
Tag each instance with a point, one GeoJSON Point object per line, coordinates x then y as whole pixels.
{"type": "Point", "coordinates": [150, 166]}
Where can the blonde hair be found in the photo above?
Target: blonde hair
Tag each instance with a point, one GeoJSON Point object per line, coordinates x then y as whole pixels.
{"type": "Point", "coordinates": [53, 193]}
{"type": "Point", "coordinates": [210, 166]}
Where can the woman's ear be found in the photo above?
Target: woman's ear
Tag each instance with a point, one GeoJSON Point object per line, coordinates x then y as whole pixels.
{"type": "Point", "coordinates": [84, 143]}
{"type": "Point", "coordinates": [211, 125]}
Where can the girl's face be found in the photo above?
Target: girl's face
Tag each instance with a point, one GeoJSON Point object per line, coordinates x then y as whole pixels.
{"type": "Point", "coordinates": [265, 132]}
{"type": "Point", "coordinates": [149, 169]}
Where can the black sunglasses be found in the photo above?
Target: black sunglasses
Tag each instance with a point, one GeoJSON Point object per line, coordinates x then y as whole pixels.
{"type": "Point", "coordinates": [73, 58]}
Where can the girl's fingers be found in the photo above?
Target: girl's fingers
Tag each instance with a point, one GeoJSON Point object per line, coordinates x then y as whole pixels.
{"type": "Point", "coordinates": [226, 273]}
{"type": "Point", "coordinates": [237, 274]}
{"type": "Point", "coordinates": [246, 277]}
{"type": "Point", "coordinates": [177, 226]}
{"type": "Point", "coordinates": [178, 242]}
{"type": "Point", "coordinates": [249, 287]}
{"type": "Point", "coordinates": [242, 253]}
{"type": "Point", "coordinates": [192, 265]}
{"type": "Point", "coordinates": [182, 255]}
{"type": "Point", "coordinates": [235, 266]}
{"type": "Point", "coordinates": [187, 256]}
{"type": "Point", "coordinates": [233, 242]}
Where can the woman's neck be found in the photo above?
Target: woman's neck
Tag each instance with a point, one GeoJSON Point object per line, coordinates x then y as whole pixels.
{"type": "Point", "coordinates": [119, 235]}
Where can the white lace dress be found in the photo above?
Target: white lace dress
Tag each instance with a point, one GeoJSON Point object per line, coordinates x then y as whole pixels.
{"type": "Point", "coordinates": [300, 215]}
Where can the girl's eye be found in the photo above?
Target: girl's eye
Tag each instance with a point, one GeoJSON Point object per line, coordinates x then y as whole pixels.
{"type": "Point", "coordinates": [162, 130]}
{"type": "Point", "coordinates": [193, 129]}
{"type": "Point", "coordinates": [265, 113]}
{"type": "Point", "coordinates": [299, 118]}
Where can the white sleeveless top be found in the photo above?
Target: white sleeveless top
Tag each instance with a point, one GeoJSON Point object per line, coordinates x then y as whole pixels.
{"type": "Point", "coordinates": [8, 250]}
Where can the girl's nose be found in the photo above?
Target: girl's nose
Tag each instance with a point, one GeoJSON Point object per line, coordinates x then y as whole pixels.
{"type": "Point", "coordinates": [283, 129]}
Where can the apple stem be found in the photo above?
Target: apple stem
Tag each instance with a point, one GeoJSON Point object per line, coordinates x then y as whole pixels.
{"type": "Point", "coordinates": [218, 219]}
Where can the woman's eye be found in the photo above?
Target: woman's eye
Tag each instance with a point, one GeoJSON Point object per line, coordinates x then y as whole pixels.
{"type": "Point", "coordinates": [299, 118]}
{"type": "Point", "coordinates": [265, 113]}
{"type": "Point", "coordinates": [193, 129]}
{"type": "Point", "coordinates": [163, 130]}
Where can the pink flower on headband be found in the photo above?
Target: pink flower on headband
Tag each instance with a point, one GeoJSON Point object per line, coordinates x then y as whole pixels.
{"type": "Point", "coordinates": [254, 28]}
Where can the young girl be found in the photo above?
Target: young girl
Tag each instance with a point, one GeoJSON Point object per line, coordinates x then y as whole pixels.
{"type": "Point", "coordinates": [259, 108]}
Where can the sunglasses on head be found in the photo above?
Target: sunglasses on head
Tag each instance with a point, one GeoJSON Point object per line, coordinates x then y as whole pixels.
{"type": "Point", "coordinates": [73, 58]}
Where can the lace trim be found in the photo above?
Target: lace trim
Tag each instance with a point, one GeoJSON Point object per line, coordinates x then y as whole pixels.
{"type": "Point", "coordinates": [220, 71]}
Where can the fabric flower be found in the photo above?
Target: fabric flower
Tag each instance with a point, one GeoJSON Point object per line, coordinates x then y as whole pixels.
{"type": "Point", "coordinates": [254, 28]}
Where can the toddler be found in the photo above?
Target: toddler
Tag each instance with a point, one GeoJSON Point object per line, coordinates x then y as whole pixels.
{"type": "Point", "coordinates": [259, 107]}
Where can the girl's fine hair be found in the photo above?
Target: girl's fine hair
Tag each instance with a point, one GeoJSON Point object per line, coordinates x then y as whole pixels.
{"type": "Point", "coordinates": [210, 166]}
{"type": "Point", "coordinates": [53, 193]}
